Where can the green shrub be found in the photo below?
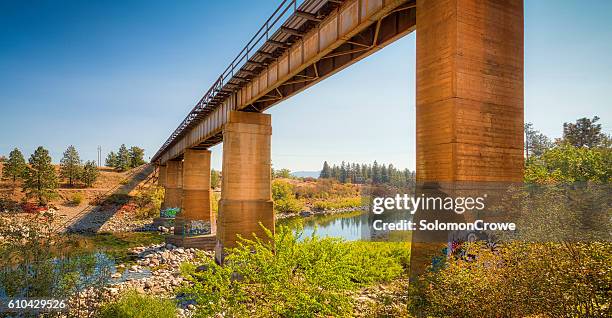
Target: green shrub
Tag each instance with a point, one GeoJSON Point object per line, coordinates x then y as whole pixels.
{"type": "Point", "coordinates": [133, 304]}
{"type": "Point", "coordinates": [566, 163]}
{"type": "Point", "coordinates": [116, 199]}
{"type": "Point", "coordinates": [149, 202]}
{"type": "Point", "coordinates": [76, 199]}
{"type": "Point", "coordinates": [520, 280]}
{"type": "Point", "coordinates": [292, 277]}
{"type": "Point", "coordinates": [342, 203]}
{"type": "Point", "coordinates": [284, 198]}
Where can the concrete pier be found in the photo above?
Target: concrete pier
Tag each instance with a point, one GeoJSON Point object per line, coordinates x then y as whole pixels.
{"type": "Point", "coordinates": [246, 196]}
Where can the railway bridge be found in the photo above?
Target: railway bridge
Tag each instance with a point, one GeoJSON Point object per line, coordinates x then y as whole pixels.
{"type": "Point", "coordinates": [469, 101]}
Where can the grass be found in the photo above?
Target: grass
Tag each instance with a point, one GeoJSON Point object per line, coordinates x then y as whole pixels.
{"type": "Point", "coordinates": [132, 304]}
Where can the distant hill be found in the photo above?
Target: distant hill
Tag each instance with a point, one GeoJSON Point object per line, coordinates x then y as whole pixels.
{"type": "Point", "coordinates": [306, 174]}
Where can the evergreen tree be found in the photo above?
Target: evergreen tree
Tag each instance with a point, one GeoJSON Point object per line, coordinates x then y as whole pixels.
{"type": "Point", "coordinates": [384, 174]}
{"type": "Point", "coordinates": [342, 176]}
{"type": "Point", "coordinates": [70, 165]}
{"type": "Point", "coordinates": [584, 133]}
{"type": "Point", "coordinates": [111, 160]}
{"type": "Point", "coordinates": [365, 172]}
{"type": "Point", "coordinates": [90, 173]}
{"type": "Point", "coordinates": [123, 158]}
{"type": "Point", "coordinates": [375, 173]}
{"type": "Point", "coordinates": [326, 171]}
{"type": "Point", "coordinates": [136, 156]}
{"type": "Point", "coordinates": [335, 172]}
{"type": "Point", "coordinates": [358, 175]}
{"type": "Point", "coordinates": [41, 179]}
{"type": "Point", "coordinates": [15, 166]}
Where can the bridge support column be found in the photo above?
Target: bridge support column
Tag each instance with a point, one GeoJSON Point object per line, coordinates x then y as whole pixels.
{"type": "Point", "coordinates": [246, 196]}
{"type": "Point", "coordinates": [173, 184]}
{"type": "Point", "coordinates": [161, 175]}
{"type": "Point", "coordinates": [469, 101]}
{"type": "Point", "coordinates": [196, 203]}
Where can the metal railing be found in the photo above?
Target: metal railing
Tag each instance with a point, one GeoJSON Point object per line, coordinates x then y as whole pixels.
{"type": "Point", "coordinates": [205, 103]}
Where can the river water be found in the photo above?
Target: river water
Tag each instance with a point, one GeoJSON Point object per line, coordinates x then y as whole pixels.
{"type": "Point", "coordinates": [350, 226]}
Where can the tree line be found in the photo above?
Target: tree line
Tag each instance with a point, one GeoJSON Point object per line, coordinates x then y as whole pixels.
{"type": "Point", "coordinates": [583, 153]}
{"type": "Point", "coordinates": [368, 173]}
{"type": "Point", "coordinates": [41, 179]}
{"type": "Point", "coordinates": [39, 176]}
{"type": "Point", "coordinates": [125, 159]}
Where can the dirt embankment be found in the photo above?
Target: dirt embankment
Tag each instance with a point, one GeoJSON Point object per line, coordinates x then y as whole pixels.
{"type": "Point", "coordinates": [73, 203]}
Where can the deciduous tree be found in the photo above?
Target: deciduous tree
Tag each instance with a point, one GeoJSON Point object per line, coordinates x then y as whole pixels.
{"type": "Point", "coordinates": [215, 178]}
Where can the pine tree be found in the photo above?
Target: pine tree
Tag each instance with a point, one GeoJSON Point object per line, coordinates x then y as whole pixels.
{"type": "Point", "coordinates": [375, 173]}
{"type": "Point", "coordinates": [342, 176]}
{"type": "Point", "coordinates": [111, 160]}
{"type": "Point", "coordinates": [326, 171]}
{"type": "Point", "coordinates": [15, 166]}
{"type": "Point", "coordinates": [40, 180]}
{"type": "Point", "coordinates": [123, 158]}
{"type": "Point", "coordinates": [90, 173]}
{"type": "Point", "coordinates": [70, 165]}
{"type": "Point", "coordinates": [136, 156]}
{"type": "Point", "coordinates": [384, 174]}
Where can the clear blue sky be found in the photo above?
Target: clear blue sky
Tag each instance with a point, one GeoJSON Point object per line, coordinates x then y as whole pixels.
{"type": "Point", "coordinates": [92, 73]}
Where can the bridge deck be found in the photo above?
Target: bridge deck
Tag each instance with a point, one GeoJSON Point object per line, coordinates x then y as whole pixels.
{"type": "Point", "coordinates": [316, 39]}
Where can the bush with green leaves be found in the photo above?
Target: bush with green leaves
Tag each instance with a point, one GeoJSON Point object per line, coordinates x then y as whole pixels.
{"type": "Point", "coordinates": [284, 198]}
{"type": "Point", "coordinates": [520, 279]}
{"type": "Point", "coordinates": [566, 163]}
{"type": "Point", "coordinates": [338, 203]}
{"type": "Point", "coordinates": [149, 202]}
{"type": "Point", "coordinates": [294, 277]}
{"type": "Point", "coordinates": [131, 304]}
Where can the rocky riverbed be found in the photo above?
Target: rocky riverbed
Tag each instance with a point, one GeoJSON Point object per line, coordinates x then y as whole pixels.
{"type": "Point", "coordinates": [155, 270]}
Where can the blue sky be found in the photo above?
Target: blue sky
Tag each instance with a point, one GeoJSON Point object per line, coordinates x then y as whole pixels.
{"type": "Point", "coordinates": [92, 73]}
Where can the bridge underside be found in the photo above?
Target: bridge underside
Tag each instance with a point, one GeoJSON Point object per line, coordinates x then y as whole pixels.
{"type": "Point", "coordinates": [469, 101]}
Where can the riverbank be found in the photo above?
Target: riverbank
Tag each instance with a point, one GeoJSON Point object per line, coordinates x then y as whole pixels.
{"type": "Point", "coordinates": [311, 213]}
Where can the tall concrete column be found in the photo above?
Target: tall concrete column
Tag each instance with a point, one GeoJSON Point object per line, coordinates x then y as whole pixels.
{"type": "Point", "coordinates": [196, 203]}
{"type": "Point", "coordinates": [469, 100]}
{"type": "Point", "coordinates": [173, 184]}
{"type": "Point", "coordinates": [469, 95]}
{"type": "Point", "coordinates": [161, 175]}
{"type": "Point", "coordinates": [246, 196]}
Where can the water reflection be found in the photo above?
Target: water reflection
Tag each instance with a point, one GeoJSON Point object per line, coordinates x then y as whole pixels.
{"type": "Point", "coordinates": [351, 226]}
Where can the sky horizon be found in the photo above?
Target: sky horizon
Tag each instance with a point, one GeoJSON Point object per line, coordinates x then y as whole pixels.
{"type": "Point", "coordinates": [100, 73]}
